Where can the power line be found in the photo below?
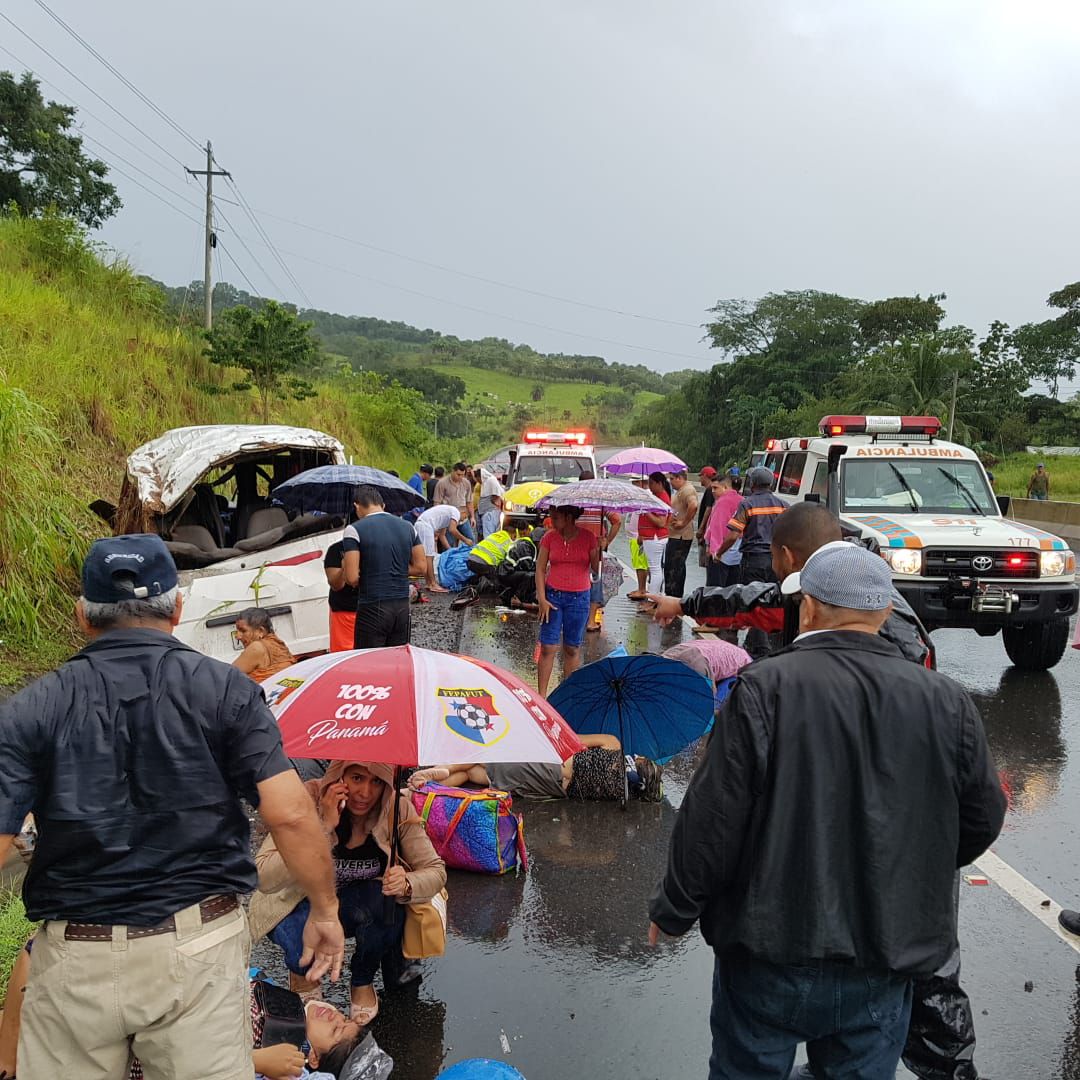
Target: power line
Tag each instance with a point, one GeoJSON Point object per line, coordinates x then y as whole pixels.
{"type": "Point", "coordinates": [150, 191]}
{"type": "Point", "coordinates": [240, 269]}
{"type": "Point", "coordinates": [486, 311]}
{"type": "Point", "coordinates": [479, 277]}
{"type": "Point", "coordinates": [83, 109]}
{"type": "Point", "coordinates": [86, 86]}
{"type": "Point", "coordinates": [153, 179]}
{"type": "Point", "coordinates": [269, 243]}
{"type": "Point", "coordinates": [123, 78]}
{"type": "Point", "coordinates": [277, 288]}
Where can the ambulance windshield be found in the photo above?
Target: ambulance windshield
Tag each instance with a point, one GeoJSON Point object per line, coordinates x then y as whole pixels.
{"type": "Point", "coordinates": [916, 485]}
{"type": "Point", "coordinates": [554, 470]}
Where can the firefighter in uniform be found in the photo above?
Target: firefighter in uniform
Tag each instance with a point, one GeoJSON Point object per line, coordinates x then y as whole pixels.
{"type": "Point", "coordinates": [753, 523]}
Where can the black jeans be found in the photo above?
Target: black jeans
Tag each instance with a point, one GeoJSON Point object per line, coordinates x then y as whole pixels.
{"type": "Point", "coordinates": [675, 566]}
{"type": "Point", "coordinates": [384, 622]}
{"type": "Point", "coordinates": [720, 574]}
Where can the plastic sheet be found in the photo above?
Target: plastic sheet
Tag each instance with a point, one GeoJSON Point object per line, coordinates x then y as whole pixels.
{"type": "Point", "coordinates": [368, 1062]}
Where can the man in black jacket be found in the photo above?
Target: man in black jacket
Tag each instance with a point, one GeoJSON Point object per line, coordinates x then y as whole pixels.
{"type": "Point", "coordinates": [818, 841]}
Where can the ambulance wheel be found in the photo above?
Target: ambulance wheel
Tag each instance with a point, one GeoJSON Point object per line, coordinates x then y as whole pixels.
{"type": "Point", "coordinates": [1036, 646]}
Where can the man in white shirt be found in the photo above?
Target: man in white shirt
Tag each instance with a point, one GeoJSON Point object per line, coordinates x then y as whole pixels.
{"type": "Point", "coordinates": [491, 501]}
{"type": "Point", "coordinates": [430, 526]}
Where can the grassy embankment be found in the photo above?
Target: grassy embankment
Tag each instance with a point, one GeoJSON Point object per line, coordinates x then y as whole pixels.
{"type": "Point", "coordinates": [89, 369]}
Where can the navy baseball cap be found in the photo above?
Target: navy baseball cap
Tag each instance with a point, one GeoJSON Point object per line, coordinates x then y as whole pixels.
{"type": "Point", "coordinates": [130, 567]}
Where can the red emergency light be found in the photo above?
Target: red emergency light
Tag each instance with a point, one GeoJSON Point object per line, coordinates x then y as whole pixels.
{"type": "Point", "coordinates": [1015, 560]}
{"type": "Point", "coordinates": [879, 425]}
{"type": "Point", "coordinates": [581, 438]}
{"type": "Point", "coordinates": [770, 444]}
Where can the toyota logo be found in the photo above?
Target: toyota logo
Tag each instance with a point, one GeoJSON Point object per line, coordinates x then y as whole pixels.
{"type": "Point", "coordinates": [982, 563]}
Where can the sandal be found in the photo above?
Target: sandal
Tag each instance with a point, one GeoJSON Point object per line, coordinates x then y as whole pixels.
{"type": "Point", "coordinates": [364, 1015]}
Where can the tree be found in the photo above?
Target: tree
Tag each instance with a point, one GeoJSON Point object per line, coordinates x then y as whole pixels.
{"type": "Point", "coordinates": [272, 345]}
{"type": "Point", "coordinates": [790, 320]}
{"type": "Point", "coordinates": [42, 163]}
{"type": "Point", "coordinates": [883, 322]}
{"type": "Point", "coordinates": [1050, 350]}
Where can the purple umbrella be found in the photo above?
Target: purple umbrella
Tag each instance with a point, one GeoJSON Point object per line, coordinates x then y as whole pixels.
{"type": "Point", "coordinates": [616, 495]}
{"type": "Point", "coordinates": [642, 460]}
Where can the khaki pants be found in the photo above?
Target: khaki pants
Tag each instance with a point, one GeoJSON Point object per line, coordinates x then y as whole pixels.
{"type": "Point", "coordinates": [179, 1002]}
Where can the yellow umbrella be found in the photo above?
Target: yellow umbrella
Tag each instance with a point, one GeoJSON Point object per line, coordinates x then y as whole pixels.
{"type": "Point", "coordinates": [527, 495]}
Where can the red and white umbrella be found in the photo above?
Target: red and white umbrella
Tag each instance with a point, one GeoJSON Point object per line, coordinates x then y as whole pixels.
{"type": "Point", "coordinates": [410, 706]}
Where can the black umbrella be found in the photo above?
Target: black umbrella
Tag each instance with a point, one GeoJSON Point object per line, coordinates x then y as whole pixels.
{"type": "Point", "coordinates": [329, 489]}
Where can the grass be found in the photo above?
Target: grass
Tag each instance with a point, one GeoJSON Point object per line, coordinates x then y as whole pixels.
{"type": "Point", "coordinates": [90, 369]}
{"type": "Point", "coordinates": [1012, 473]}
{"type": "Point", "coordinates": [15, 931]}
{"type": "Point", "coordinates": [503, 392]}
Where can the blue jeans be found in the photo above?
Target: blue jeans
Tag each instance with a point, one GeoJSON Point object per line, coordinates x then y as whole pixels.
{"type": "Point", "coordinates": [853, 1020]}
{"type": "Point", "coordinates": [365, 915]}
{"type": "Point", "coordinates": [466, 529]}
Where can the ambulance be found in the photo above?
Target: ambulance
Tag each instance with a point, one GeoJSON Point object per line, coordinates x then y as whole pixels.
{"type": "Point", "coordinates": [929, 506]}
{"type": "Point", "coordinates": [543, 458]}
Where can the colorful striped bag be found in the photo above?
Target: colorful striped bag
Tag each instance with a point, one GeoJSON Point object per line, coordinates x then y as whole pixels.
{"type": "Point", "coordinates": [473, 829]}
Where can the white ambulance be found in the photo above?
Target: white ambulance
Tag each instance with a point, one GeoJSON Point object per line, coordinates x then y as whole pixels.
{"type": "Point", "coordinates": [929, 505]}
{"type": "Point", "coordinates": [544, 457]}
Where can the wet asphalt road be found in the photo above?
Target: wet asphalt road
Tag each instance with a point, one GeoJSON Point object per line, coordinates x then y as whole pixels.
{"type": "Point", "coordinates": [550, 972]}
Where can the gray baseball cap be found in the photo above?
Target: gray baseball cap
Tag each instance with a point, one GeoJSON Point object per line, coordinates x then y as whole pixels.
{"type": "Point", "coordinates": [845, 575]}
{"type": "Point", "coordinates": [761, 477]}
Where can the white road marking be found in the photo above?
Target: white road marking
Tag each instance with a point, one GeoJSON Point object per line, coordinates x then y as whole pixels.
{"type": "Point", "coordinates": [1030, 897]}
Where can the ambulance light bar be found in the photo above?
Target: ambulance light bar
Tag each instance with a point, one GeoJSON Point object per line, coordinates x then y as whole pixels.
{"type": "Point", "coordinates": [581, 438]}
{"type": "Point", "coordinates": [880, 425]}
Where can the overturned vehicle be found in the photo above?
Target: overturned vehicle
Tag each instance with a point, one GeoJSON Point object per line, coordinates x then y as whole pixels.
{"type": "Point", "coordinates": [209, 493]}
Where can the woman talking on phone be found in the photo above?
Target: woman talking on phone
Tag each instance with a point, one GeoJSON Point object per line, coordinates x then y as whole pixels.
{"type": "Point", "coordinates": [355, 800]}
{"type": "Point", "coordinates": [568, 559]}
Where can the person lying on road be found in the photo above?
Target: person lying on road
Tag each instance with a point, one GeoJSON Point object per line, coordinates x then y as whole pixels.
{"type": "Point", "coordinates": [596, 774]}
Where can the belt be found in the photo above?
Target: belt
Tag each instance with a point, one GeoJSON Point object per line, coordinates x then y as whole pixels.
{"type": "Point", "coordinates": [210, 910]}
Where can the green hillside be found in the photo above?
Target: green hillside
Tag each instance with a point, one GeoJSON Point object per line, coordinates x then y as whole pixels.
{"type": "Point", "coordinates": [90, 367]}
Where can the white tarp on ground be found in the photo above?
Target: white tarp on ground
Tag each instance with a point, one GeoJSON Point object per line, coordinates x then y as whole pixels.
{"type": "Point", "coordinates": [166, 467]}
{"type": "Point", "coordinates": [1054, 451]}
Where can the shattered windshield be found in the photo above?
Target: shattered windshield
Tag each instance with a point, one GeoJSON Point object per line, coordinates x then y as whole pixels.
{"type": "Point", "coordinates": [916, 486]}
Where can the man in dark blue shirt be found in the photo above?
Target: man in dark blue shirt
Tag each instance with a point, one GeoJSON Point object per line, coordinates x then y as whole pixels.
{"type": "Point", "coordinates": [381, 552]}
{"type": "Point", "coordinates": [133, 757]}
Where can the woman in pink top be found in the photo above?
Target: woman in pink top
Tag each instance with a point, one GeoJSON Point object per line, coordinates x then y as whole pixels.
{"type": "Point", "coordinates": [567, 559]}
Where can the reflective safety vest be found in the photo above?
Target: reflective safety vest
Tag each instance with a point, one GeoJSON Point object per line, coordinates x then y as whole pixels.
{"type": "Point", "coordinates": [493, 548]}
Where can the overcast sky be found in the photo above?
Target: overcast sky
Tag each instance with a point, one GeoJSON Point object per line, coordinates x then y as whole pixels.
{"type": "Point", "coordinates": [646, 157]}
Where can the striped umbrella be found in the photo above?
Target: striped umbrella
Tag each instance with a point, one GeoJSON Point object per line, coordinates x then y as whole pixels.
{"type": "Point", "coordinates": [616, 495]}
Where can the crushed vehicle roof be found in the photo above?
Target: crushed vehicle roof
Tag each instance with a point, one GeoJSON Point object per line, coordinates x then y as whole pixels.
{"type": "Point", "coordinates": [166, 467]}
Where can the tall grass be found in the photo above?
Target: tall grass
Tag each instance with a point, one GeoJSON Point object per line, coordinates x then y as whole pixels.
{"type": "Point", "coordinates": [15, 931]}
{"type": "Point", "coordinates": [90, 369]}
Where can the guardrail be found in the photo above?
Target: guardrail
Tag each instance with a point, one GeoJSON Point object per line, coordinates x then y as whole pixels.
{"type": "Point", "coordinates": [1060, 518]}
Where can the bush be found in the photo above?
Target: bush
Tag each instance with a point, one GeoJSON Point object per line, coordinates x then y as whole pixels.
{"type": "Point", "coordinates": [15, 932]}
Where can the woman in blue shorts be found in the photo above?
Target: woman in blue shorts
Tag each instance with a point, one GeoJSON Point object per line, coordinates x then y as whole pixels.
{"type": "Point", "coordinates": [567, 559]}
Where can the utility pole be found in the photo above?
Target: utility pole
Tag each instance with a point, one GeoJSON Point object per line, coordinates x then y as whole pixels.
{"type": "Point", "coordinates": [211, 239]}
{"type": "Point", "coordinates": [952, 411]}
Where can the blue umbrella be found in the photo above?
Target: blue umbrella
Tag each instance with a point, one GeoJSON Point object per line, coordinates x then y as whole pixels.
{"type": "Point", "coordinates": [654, 706]}
{"type": "Point", "coordinates": [329, 490]}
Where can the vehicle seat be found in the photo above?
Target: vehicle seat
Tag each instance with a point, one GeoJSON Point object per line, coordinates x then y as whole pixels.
{"type": "Point", "coordinates": [204, 511]}
{"type": "Point", "coordinates": [269, 517]}
{"type": "Point", "coordinates": [196, 535]}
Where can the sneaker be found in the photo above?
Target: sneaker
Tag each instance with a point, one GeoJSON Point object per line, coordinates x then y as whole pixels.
{"type": "Point", "coordinates": [1070, 920]}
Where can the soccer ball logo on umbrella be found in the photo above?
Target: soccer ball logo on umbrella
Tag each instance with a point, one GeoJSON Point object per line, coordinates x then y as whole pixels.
{"type": "Point", "coordinates": [472, 715]}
